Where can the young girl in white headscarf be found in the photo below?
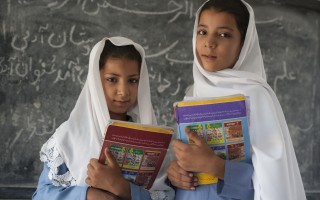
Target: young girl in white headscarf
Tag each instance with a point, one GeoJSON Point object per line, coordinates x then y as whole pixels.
{"type": "Point", "coordinates": [117, 87]}
{"type": "Point", "coordinates": [228, 61]}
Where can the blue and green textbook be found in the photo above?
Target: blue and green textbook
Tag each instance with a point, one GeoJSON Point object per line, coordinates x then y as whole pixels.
{"type": "Point", "coordinates": [223, 123]}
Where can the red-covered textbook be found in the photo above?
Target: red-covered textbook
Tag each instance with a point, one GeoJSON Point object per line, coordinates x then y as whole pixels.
{"type": "Point", "coordinates": [138, 149]}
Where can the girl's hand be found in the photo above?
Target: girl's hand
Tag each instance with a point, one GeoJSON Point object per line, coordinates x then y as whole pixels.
{"type": "Point", "coordinates": [181, 178]}
{"type": "Point", "coordinates": [94, 193]}
{"type": "Point", "coordinates": [198, 157]}
{"type": "Point", "coordinates": [108, 177]}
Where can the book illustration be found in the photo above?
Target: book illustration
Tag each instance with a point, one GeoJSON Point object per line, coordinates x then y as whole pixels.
{"type": "Point", "coordinates": [236, 151]}
{"type": "Point", "coordinates": [133, 158]}
{"type": "Point", "coordinates": [143, 178]}
{"type": "Point", "coordinates": [138, 149]}
{"type": "Point", "coordinates": [118, 153]}
{"type": "Point", "coordinates": [214, 133]}
{"type": "Point", "coordinates": [220, 151]}
{"type": "Point", "coordinates": [233, 130]}
{"type": "Point", "coordinates": [196, 128]}
{"type": "Point", "coordinates": [150, 159]}
{"type": "Point", "coordinates": [222, 122]}
{"type": "Point", "coordinates": [129, 175]}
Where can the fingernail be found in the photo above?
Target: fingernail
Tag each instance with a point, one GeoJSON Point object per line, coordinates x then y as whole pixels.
{"type": "Point", "coordinates": [191, 174]}
{"type": "Point", "coordinates": [192, 188]}
{"type": "Point", "coordinates": [195, 184]}
{"type": "Point", "coordinates": [195, 179]}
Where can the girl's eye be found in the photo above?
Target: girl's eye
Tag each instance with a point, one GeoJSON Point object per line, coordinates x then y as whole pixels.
{"type": "Point", "coordinates": [134, 80]}
{"type": "Point", "coordinates": [201, 32]}
{"type": "Point", "coordinates": [225, 35]}
{"type": "Point", "coordinates": [111, 79]}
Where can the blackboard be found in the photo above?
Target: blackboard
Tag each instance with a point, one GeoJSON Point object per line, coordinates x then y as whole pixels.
{"type": "Point", "coordinates": [44, 48]}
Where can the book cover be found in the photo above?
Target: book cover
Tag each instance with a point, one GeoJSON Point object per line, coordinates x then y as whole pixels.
{"type": "Point", "coordinates": [138, 149]}
{"type": "Point", "coordinates": [222, 122]}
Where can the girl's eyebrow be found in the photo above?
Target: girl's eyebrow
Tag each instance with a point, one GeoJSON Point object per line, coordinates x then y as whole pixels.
{"type": "Point", "coordinates": [134, 75]}
{"type": "Point", "coordinates": [112, 74]}
{"type": "Point", "coordinates": [202, 25]}
{"type": "Point", "coordinates": [225, 27]}
{"type": "Point", "coordinates": [219, 27]}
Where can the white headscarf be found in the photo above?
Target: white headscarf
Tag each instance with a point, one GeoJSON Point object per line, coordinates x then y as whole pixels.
{"type": "Point", "coordinates": [80, 138]}
{"type": "Point", "coordinates": [276, 172]}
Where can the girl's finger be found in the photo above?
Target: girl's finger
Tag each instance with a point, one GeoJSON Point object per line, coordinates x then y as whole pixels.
{"type": "Point", "coordinates": [194, 137]}
{"type": "Point", "coordinates": [94, 163]}
{"type": "Point", "coordinates": [183, 185]}
{"type": "Point", "coordinates": [179, 146]}
{"type": "Point", "coordinates": [177, 173]}
{"type": "Point", "coordinates": [109, 157]}
{"type": "Point", "coordinates": [88, 181]}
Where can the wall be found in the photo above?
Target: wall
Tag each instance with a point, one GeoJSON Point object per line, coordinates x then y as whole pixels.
{"type": "Point", "coordinates": [44, 48]}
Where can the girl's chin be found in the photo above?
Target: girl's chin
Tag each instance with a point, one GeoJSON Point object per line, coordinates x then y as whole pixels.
{"type": "Point", "coordinates": [209, 68]}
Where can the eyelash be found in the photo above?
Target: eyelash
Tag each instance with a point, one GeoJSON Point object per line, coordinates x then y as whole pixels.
{"type": "Point", "coordinates": [112, 80]}
{"type": "Point", "coordinates": [224, 35]}
{"type": "Point", "coordinates": [132, 81]}
{"type": "Point", "coordinates": [199, 32]}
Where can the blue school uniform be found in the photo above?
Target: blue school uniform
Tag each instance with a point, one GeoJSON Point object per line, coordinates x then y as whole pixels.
{"type": "Point", "coordinates": [237, 185]}
{"type": "Point", "coordinates": [46, 190]}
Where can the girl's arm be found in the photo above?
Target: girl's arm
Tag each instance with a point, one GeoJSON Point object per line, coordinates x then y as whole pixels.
{"type": "Point", "coordinates": [46, 190]}
{"type": "Point", "coordinates": [180, 178]}
{"type": "Point", "coordinates": [198, 157]}
{"type": "Point", "coordinates": [108, 177]}
{"type": "Point", "coordinates": [234, 177]}
{"type": "Point", "coordinates": [237, 183]}
{"type": "Point", "coordinates": [117, 184]}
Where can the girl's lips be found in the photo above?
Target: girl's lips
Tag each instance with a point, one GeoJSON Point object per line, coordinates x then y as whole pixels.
{"type": "Point", "coordinates": [209, 57]}
{"type": "Point", "coordinates": [121, 102]}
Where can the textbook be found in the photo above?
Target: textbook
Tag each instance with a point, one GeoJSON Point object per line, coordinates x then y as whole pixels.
{"type": "Point", "coordinates": [138, 149]}
{"type": "Point", "coordinates": [222, 122]}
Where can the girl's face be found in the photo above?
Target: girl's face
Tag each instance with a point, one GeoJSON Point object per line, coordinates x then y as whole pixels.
{"type": "Point", "coordinates": [120, 79]}
{"type": "Point", "coordinates": [218, 41]}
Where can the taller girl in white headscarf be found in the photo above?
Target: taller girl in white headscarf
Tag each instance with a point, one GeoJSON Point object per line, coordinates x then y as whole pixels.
{"type": "Point", "coordinates": [117, 87]}
{"type": "Point", "coordinates": [228, 61]}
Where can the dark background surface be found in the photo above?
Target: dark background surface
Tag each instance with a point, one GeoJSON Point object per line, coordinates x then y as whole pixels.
{"type": "Point", "coordinates": [44, 48]}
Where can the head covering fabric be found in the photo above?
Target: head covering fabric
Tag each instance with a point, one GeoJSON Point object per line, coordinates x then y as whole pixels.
{"type": "Point", "coordinates": [276, 172]}
{"type": "Point", "coordinates": [80, 138]}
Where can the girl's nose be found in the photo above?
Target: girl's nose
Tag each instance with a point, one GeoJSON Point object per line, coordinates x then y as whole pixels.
{"type": "Point", "coordinates": [123, 90]}
{"type": "Point", "coordinates": [210, 43]}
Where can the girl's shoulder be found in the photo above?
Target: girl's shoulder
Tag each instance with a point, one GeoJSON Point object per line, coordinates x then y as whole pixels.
{"type": "Point", "coordinates": [189, 91]}
{"type": "Point", "coordinates": [58, 171]}
{"type": "Point", "coordinates": [49, 151]}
